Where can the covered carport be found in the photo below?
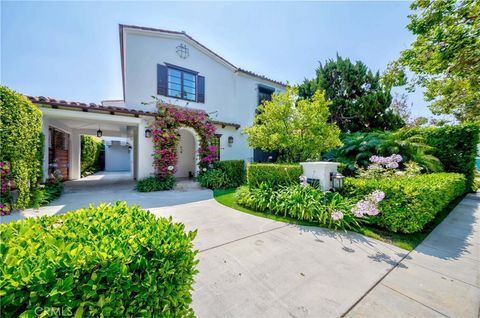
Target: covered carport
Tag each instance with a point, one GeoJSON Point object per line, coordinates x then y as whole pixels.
{"type": "Point", "coordinates": [70, 120]}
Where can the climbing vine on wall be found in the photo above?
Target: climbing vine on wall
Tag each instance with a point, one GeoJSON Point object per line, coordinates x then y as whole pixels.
{"type": "Point", "coordinates": [166, 137]}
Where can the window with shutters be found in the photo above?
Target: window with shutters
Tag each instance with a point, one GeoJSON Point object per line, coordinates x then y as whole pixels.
{"type": "Point", "coordinates": [177, 82]}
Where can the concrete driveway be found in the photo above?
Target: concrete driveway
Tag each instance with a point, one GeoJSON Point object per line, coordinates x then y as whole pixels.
{"type": "Point", "coordinates": [250, 266]}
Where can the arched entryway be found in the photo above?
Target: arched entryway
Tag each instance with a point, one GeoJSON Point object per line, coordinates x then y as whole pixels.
{"type": "Point", "coordinates": [187, 153]}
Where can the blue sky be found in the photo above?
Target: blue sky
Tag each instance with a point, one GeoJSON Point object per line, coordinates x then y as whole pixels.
{"type": "Point", "coordinates": [70, 50]}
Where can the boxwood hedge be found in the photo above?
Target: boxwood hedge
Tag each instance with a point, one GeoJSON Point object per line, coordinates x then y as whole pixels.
{"type": "Point", "coordinates": [20, 136]}
{"type": "Point", "coordinates": [273, 174]}
{"type": "Point", "coordinates": [455, 146]}
{"type": "Point", "coordinates": [234, 171]}
{"type": "Point", "coordinates": [111, 261]}
{"type": "Point", "coordinates": [410, 203]}
{"type": "Point", "coordinates": [91, 148]}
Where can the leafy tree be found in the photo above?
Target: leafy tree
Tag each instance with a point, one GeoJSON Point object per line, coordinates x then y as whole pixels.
{"type": "Point", "coordinates": [445, 56]}
{"type": "Point", "coordinates": [360, 102]}
{"type": "Point", "coordinates": [297, 128]}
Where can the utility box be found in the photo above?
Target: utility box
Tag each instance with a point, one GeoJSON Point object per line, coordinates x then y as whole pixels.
{"type": "Point", "coordinates": [319, 172]}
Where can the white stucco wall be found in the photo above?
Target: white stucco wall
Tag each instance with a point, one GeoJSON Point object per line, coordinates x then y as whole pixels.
{"type": "Point", "coordinates": [229, 96]}
{"type": "Point", "coordinates": [118, 156]}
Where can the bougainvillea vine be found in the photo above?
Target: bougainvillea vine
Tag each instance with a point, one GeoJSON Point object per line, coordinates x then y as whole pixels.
{"type": "Point", "coordinates": [166, 137]}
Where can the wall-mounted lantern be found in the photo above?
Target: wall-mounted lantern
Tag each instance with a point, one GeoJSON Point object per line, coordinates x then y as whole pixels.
{"type": "Point", "coordinates": [230, 141]}
{"type": "Point", "coordinates": [336, 179]}
{"type": "Point", "coordinates": [148, 133]}
{"type": "Point", "coordinates": [99, 133]}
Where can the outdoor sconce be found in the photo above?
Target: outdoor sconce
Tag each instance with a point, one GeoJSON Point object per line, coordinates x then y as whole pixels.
{"type": "Point", "coordinates": [336, 179]}
{"type": "Point", "coordinates": [230, 141]}
{"type": "Point", "coordinates": [99, 133]}
{"type": "Point", "coordinates": [148, 133]}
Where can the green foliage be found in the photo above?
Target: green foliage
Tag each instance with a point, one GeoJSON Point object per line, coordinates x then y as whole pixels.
{"type": "Point", "coordinates": [445, 56]}
{"type": "Point", "coordinates": [155, 184]}
{"type": "Point", "coordinates": [297, 129]}
{"type": "Point", "coordinates": [359, 147]}
{"type": "Point", "coordinates": [213, 179]}
{"type": "Point", "coordinates": [410, 202]}
{"type": "Point", "coordinates": [20, 136]}
{"type": "Point", "coordinates": [108, 261]}
{"type": "Point", "coordinates": [359, 102]}
{"type": "Point", "coordinates": [47, 192]}
{"type": "Point", "coordinates": [234, 172]}
{"type": "Point", "coordinates": [301, 203]}
{"type": "Point", "coordinates": [273, 174]}
{"type": "Point", "coordinates": [455, 146]}
{"type": "Point", "coordinates": [91, 147]}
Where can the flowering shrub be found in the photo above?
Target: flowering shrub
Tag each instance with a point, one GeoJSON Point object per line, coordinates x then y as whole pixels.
{"type": "Point", "coordinates": [369, 204]}
{"type": "Point", "coordinates": [6, 187]}
{"type": "Point", "coordinates": [166, 137]}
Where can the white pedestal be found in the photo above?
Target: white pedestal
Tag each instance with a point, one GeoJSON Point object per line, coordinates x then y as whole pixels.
{"type": "Point", "coordinates": [320, 170]}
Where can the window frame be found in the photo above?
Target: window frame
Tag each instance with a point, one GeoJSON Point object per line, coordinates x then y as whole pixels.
{"type": "Point", "coordinates": [182, 84]}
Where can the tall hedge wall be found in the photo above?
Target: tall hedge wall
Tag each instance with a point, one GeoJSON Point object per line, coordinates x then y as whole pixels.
{"type": "Point", "coordinates": [91, 147]}
{"type": "Point", "coordinates": [20, 142]}
{"type": "Point", "coordinates": [455, 146]}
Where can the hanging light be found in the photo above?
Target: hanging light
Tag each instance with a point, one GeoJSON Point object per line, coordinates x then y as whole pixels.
{"type": "Point", "coordinates": [148, 133]}
{"type": "Point", "coordinates": [99, 133]}
{"type": "Point", "coordinates": [336, 180]}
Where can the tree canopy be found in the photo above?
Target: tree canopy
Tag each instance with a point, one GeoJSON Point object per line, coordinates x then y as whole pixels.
{"type": "Point", "coordinates": [297, 128]}
{"type": "Point", "coordinates": [445, 56]}
{"type": "Point", "coordinates": [359, 101]}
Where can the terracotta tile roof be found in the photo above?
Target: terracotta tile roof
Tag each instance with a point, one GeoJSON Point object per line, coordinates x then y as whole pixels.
{"type": "Point", "coordinates": [56, 103]}
{"type": "Point", "coordinates": [236, 69]}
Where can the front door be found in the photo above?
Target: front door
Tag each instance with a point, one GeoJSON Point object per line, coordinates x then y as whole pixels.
{"type": "Point", "coordinates": [185, 155]}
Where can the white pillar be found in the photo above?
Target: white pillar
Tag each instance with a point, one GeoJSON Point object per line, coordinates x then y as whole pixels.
{"type": "Point", "coordinates": [74, 155]}
{"type": "Point", "coordinates": [144, 151]}
{"type": "Point", "coordinates": [46, 133]}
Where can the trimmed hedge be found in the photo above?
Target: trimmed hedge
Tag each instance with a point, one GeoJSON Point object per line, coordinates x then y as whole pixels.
{"type": "Point", "coordinates": [111, 261]}
{"type": "Point", "coordinates": [455, 146]}
{"type": "Point", "coordinates": [273, 175]}
{"type": "Point", "coordinates": [234, 171]}
{"type": "Point", "coordinates": [91, 148]}
{"type": "Point", "coordinates": [151, 184]}
{"type": "Point", "coordinates": [20, 136]}
{"type": "Point", "coordinates": [410, 203]}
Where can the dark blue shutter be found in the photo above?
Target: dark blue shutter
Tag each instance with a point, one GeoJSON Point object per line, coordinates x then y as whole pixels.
{"type": "Point", "coordinates": [200, 89]}
{"type": "Point", "coordinates": [162, 80]}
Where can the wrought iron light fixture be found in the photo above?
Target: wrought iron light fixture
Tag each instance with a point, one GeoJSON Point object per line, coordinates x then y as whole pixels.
{"type": "Point", "coordinates": [230, 141]}
{"type": "Point", "coordinates": [336, 180]}
{"type": "Point", "coordinates": [148, 133]}
{"type": "Point", "coordinates": [99, 133]}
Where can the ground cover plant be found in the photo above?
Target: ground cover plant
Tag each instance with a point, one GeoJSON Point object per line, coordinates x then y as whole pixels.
{"type": "Point", "coordinates": [155, 183]}
{"type": "Point", "coordinates": [111, 261]}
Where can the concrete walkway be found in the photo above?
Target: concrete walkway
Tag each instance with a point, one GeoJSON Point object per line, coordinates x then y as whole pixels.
{"type": "Point", "coordinates": [256, 267]}
{"type": "Point", "coordinates": [440, 278]}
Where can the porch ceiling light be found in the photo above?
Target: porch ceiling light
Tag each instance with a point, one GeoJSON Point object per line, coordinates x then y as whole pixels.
{"type": "Point", "coordinates": [99, 133]}
{"type": "Point", "coordinates": [148, 133]}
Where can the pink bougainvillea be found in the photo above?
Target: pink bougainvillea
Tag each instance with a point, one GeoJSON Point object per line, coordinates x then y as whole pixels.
{"type": "Point", "coordinates": [6, 187]}
{"type": "Point", "coordinates": [166, 137]}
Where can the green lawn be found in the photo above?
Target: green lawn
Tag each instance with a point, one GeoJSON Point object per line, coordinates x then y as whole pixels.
{"type": "Point", "coordinates": [405, 241]}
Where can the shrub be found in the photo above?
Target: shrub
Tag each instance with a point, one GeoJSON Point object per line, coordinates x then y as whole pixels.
{"type": "Point", "coordinates": [111, 261]}
{"type": "Point", "coordinates": [213, 179]}
{"type": "Point", "coordinates": [90, 153]}
{"type": "Point", "coordinates": [303, 203]}
{"type": "Point", "coordinates": [273, 174]}
{"type": "Point", "coordinates": [156, 184]}
{"type": "Point", "coordinates": [410, 202]}
{"type": "Point", "coordinates": [358, 148]}
{"type": "Point", "coordinates": [234, 171]}
{"type": "Point", "coordinates": [20, 136]}
{"type": "Point", "coordinates": [455, 146]}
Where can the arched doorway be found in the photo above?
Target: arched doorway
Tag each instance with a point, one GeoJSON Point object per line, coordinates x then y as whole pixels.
{"type": "Point", "coordinates": [186, 153]}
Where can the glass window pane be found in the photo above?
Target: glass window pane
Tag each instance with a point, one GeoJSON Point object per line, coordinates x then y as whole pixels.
{"type": "Point", "coordinates": [174, 93]}
{"type": "Point", "coordinates": [174, 72]}
{"type": "Point", "coordinates": [190, 90]}
{"type": "Point", "coordinates": [188, 76]}
{"type": "Point", "coordinates": [189, 83]}
{"type": "Point", "coordinates": [174, 86]}
{"type": "Point", "coordinates": [173, 79]}
{"type": "Point", "coordinates": [190, 96]}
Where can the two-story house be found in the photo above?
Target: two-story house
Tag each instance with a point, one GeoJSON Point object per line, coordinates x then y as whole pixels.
{"type": "Point", "coordinates": [178, 70]}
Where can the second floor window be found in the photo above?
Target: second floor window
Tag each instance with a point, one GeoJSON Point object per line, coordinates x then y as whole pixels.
{"type": "Point", "coordinates": [177, 82]}
{"type": "Point", "coordinates": [181, 84]}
